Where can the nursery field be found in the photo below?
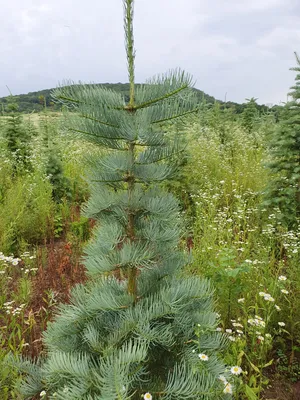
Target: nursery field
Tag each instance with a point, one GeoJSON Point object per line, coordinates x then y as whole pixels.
{"type": "Point", "coordinates": [149, 243]}
{"type": "Point", "coordinates": [233, 235]}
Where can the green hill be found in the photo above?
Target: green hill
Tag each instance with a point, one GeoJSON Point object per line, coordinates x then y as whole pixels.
{"type": "Point", "coordinates": [34, 101]}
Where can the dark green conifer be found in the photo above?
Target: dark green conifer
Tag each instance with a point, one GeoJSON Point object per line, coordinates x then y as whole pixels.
{"type": "Point", "coordinates": [284, 189]}
{"type": "Point", "coordinates": [53, 158]}
{"type": "Point", "coordinates": [17, 139]}
{"type": "Point", "coordinates": [249, 115]}
{"type": "Point", "coordinates": [131, 329]}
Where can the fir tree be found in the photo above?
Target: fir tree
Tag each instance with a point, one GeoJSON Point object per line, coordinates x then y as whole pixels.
{"type": "Point", "coordinates": [249, 115]}
{"type": "Point", "coordinates": [17, 139]}
{"type": "Point", "coordinates": [131, 330]}
{"type": "Point", "coordinates": [53, 162]}
{"type": "Point", "coordinates": [14, 128]}
{"type": "Point", "coordinates": [284, 189]}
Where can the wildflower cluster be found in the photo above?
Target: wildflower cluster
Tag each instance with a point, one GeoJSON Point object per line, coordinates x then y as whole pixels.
{"type": "Point", "coordinates": [26, 263]}
{"type": "Point", "coordinates": [9, 259]}
{"type": "Point", "coordinates": [10, 308]}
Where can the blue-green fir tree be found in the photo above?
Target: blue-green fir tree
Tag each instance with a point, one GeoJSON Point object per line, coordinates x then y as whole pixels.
{"type": "Point", "coordinates": [283, 191]}
{"type": "Point", "coordinates": [129, 333]}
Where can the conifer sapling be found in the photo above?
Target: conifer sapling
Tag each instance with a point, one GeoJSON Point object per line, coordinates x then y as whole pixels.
{"type": "Point", "coordinates": [130, 332]}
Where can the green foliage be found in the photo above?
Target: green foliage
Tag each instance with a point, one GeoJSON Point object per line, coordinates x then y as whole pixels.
{"type": "Point", "coordinates": [241, 246]}
{"type": "Point", "coordinates": [54, 170]}
{"type": "Point", "coordinates": [9, 377]}
{"type": "Point", "coordinates": [131, 329]}
{"type": "Point", "coordinates": [18, 139]}
{"type": "Point", "coordinates": [29, 200]}
{"type": "Point", "coordinates": [249, 115]}
{"type": "Point", "coordinates": [81, 229]}
{"type": "Point", "coordinates": [284, 190]}
{"type": "Point", "coordinates": [53, 159]}
{"type": "Point", "coordinates": [16, 323]}
{"type": "Point", "coordinates": [24, 213]}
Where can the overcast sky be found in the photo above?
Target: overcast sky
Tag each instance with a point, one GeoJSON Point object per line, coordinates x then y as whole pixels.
{"type": "Point", "coordinates": [240, 47]}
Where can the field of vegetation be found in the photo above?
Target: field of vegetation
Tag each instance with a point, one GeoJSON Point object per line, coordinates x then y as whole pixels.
{"type": "Point", "coordinates": [224, 325]}
{"type": "Point", "coordinates": [233, 236]}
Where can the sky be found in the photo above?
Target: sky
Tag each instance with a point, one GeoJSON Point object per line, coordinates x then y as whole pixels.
{"type": "Point", "coordinates": [235, 49]}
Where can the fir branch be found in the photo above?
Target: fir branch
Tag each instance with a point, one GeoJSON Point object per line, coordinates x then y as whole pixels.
{"type": "Point", "coordinates": [158, 154]}
{"type": "Point", "coordinates": [164, 97]}
{"type": "Point", "coordinates": [98, 121]}
{"type": "Point", "coordinates": [68, 99]}
{"type": "Point", "coordinates": [95, 135]}
{"type": "Point", "coordinates": [176, 116]}
{"type": "Point", "coordinates": [107, 142]}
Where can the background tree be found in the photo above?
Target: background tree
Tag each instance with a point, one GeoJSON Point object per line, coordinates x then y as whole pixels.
{"type": "Point", "coordinates": [53, 159]}
{"type": "Point", "coordinates": [131, 329]}
{"type": "Point", "coordinates": [18, 139]}
{"type": "Point", "coordinates": [284, 190]}
{"type": "Point", "coordinates": [250, 115]}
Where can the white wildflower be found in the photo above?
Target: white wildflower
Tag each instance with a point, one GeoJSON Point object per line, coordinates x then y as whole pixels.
{"type": "Point", "coordinates": [236, 370]}
{"type": "Point", "coordinates": [223, 379]}
{"type": "Point", "coordinates": [282, 278]}
{"type": "Point", "coordinates": [203, 357]}
{"type": "Point", "coordinates": [228, 389]}
{"type": "Point", "coordinates": [268, 297]}
{"type": "Point", "coordinates": [237, 325]}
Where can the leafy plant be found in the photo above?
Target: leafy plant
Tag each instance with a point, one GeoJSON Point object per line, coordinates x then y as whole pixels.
{"type": "Point", "coordinates": [25, 213]}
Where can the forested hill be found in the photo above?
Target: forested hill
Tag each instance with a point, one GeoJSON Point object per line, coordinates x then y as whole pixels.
{"type": "Point", "coordinates": [34, 101]}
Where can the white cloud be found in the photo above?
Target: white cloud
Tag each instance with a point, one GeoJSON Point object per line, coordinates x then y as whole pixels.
{"type": "Point", "coordinates": [246, 6]}
{"type": "Point", "coordinates": [241, 47]}
{"type": "Point", "coordinates": [288, 37]}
